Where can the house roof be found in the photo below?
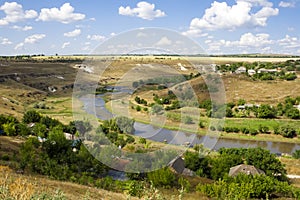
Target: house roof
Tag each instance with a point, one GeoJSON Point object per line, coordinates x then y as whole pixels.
{"type": "Point", "coordinates": [245, 169]}
{"type": "Point", "coordinates": [177, 164]}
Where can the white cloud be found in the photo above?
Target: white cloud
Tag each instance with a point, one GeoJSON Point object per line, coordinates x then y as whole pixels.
{"type": "Point", "coordinates": [65, 14]}
{"type": "Point", "coordinates": [242, 14]}
{"type": "Point", "coordinates": [164, 41]}
{"type": "Point", "coordinates": [289, 42]}
{"type": "Point", "coordinates": [14, 13]}
{"type": "Point", "coordinates": [285, 4]}
{"type": "Point", "coordinates": [98, 38]}
{"type": "Point", "coordinates": [65, 45]}
{"type": "Point", "coordinates": [74, 33]}
{"type": "Point", "coordinates": [34, 38]}
{"type": "Point", "coordinates": [20, 28]}
{"type": "Point", "coordinates": [5, 41]}
{"type": "Point", "coordinates": [19, 46]}
{"type": "Point", "coordinates": [143, 10]}
{"type": "Point", "coordinates": [113, 34]}
{"type": "Point", "coordinates": [258, 40]}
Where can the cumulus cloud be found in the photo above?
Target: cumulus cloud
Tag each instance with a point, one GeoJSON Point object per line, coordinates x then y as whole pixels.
{"type": "Point", "coordinates": [14, 13]}
{"type": "Point", "coordinates": [74, 33]}
{"type": "Point", "coordinates": [34, 38]}
{"type": "Point", "coordinates": [143, 10]}
{"type": "Point", "coordinates": [285, 4]}
{"type": "Point", "coordinates": [20, 28]}
{"type": "Point", "coordinates": [65, 14]}
{"type": "Point", "coordinates": [245, 13]}
{"type": "Point", "coordinates": [251, 40]}
{"type": "Point", "coordinates": [65, 45]}
{"type": "Point", "coordinates": [5, 41]}
{"type": "Point", "coordinates": [164, 41]}
{"type": "Point", "coordinates": [289, 42]}
{"type": "Point", "coordinates": [98, 38]}
{"type": "Point", "coordinates": [19, 46]}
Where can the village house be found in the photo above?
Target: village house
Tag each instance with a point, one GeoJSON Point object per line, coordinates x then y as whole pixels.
{"type": "Point", "coordinates": [241, 70]}
{"type": "Point", "coordinates": [245, 169]}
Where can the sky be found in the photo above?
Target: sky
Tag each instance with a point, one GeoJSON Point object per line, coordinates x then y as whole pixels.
{"type": "Point", "coordinates": [218, 27]}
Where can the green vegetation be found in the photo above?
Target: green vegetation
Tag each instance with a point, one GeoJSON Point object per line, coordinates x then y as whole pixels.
{"type": "Point", "coordinates": [272, 184]}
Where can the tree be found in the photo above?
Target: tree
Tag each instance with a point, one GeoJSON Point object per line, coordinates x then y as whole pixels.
{"type": "Point", "coordinates": [287, 131]}
{"type": "Point", "coordinates": [260, 158]}
{"type": "Point", "coordinates": [293, 113]}
{"type": "Point", "coordinates": [125, 124]}
{"type": "Point", "coordinates": [31, 116]}
{"type": "Point", "coordinates": [40, 130]}
{"type": "Point", "coordinates": [9, 129]}
{"type": "Point", "coordinates": [162, 178]}
{"type": "Point", "coordinates": [22, 129]}
{"type": "Point", "coordinates": [266, 111]}
{"type": "Point", "coordinates": [156, 109]}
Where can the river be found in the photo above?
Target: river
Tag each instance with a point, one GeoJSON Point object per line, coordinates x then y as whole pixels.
{"type": "Point", "coordinates": [178, 137]}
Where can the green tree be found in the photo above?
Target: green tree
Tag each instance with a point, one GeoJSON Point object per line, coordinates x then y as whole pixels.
{"type": "Point", "coordinates": [156, 109]}
{"type": "Point", "coordinates": [40, 130]}
{"type": "Point", "coordinates": [266, 111]}
{"type": "Point", "coordinates": [125, 124]}
{"type": "Point", "coordinates": [162, 178]}
{"type": "Point", "coordinates": [9, 129]}
{"type": "Point", "coordinates": [31, 116]}
{"type": "Point", "coordinates": [22, 129]}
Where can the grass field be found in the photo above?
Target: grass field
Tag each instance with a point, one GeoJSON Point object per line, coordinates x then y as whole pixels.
{"type": "Point", "coordinates": [25, 187]}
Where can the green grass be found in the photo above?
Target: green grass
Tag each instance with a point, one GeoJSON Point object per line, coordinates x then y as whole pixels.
{"type": "Point", "coordinates": [255, 123]}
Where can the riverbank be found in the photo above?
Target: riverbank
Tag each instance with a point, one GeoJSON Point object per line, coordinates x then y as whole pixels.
{"type": "Point", "coordinates": [142, 117]}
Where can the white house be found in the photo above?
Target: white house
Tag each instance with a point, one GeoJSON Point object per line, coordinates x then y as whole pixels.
{"type": "Point", "coordinates": [251, 72]}
{"type": "Point", "coordinates": [240, 70]}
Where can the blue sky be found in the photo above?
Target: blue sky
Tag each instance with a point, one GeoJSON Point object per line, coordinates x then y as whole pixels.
{"type": "Point", "coordinates": [219, 27]}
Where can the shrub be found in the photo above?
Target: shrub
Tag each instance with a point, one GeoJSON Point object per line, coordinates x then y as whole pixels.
{"type": "Point", "coordinates": [187, 120]}
{"type": "Point", "coordinates": [162, 178]}
{"type": "Point", "coordinates": [296, 154]}
{"type": "Point", "coordinates": [253, 131]}
{"type": "Point", "coordinates": [5, 157]}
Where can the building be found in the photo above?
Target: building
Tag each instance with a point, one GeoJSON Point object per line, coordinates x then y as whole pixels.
{"type": "Point", "coordinates": [245, 169]}
{"type": "Point", "coordinates": [241, 70]}
{"type": "Point", "coordinates": [251, 72]}
{"type": "Point", "coordinates": [177, 165]}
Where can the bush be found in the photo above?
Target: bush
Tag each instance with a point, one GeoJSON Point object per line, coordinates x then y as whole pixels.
{"type": "Point", "coordinates": [253, 131]}
{"type": "Point", "coordinates": [263, 129]}
{"type": "Point", "coordinates": [187, 120]}
{"type": "Point", "coordinates": [245, 130]}
{"type": "Point", "coordinates": [31, 116]}
{"type": "Point", "coordinates": [288, 132]}
{"type": "Point", "coordinates": [5, 157]}
{"type": "Point", "coordinates": [162, 178]}
{"type": "Point", "coordinates": [296, 154]}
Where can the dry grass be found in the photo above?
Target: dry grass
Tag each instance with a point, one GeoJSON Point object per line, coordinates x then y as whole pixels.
{"type": "Point", "coordinates": [15, 186]}
{"type": "Point", "coordinates": [292, 165]}
{"type": "Point", "coordinates": [271, 92]}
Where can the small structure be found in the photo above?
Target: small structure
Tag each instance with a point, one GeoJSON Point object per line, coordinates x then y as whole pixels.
{"type": "Point", "coordinates": [245, 169]}
{"type": "Point", "coordinates": [241, 70]}
{"type": "Point", "coordinates": [263, 70]}
{"type": "Point", "coordinates": [297, 106]}
{"type": "Point", "coordinates": [177, 165]}
{"type": "Point", "coordinates": [251, 72]}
